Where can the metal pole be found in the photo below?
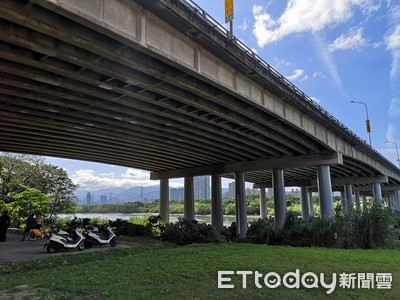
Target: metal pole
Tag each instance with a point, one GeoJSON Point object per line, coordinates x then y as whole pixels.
{"type": "Point", "coordinates": [231, 29]}
{"type": "Point", "coordinates": [368, 124]}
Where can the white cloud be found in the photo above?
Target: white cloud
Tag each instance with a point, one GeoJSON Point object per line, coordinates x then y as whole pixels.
{"type": "Point", "coordinates": [394, 108]}
{"type": "Point", "coordinates": [281, 62]}
{"type": "Point", "coordinates": [318, 75]}
{"type": "Point", "coordinates": [391, 132]}
{"type": "Point", "coordinates": [136, 174]}
{"type": "Point", "coordinates": [88, 179]}
{"type": "Point", "coordinates": [353, 40]}
{"type": "Point", "coordinates": [305, 16]}
{"type": "Point", "coordinates": [244, 25]}
{"type": "Point", "coordinates": [327, 58]}
{"type": "Point", "coordinates": [298, 74]}
{"type": "Point", "coordinates": [393, 44]}
{"type": "Point", "coordinates": [110, 174]}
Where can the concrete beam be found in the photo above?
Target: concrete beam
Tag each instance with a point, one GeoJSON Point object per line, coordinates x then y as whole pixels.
{"type": "Point", "coordinates": [369, 188]}
{"type": "Point", "coordinates": [299, 183]}
{"type": "Point", "coordinates": [256, 165]}
{"type": "Point", "coordinates": [335, 181]}
{"type": "Point", "coordinates": [360, 180]}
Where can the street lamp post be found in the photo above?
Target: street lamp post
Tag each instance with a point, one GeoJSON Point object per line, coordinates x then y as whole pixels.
{"type": "Point", "coordinates": [397, 151]}
{"type": "Point", "coordinates": [367, 122]}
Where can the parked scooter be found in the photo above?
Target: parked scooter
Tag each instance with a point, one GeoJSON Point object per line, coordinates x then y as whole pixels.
{"type": "Point", "coordinates": [103, 236]}
{"type": "Point", "coordinates": [70, 239]}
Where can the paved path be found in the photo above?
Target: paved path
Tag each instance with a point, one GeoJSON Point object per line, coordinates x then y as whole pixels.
{"type": "Point", "coordinates": [15, 250]}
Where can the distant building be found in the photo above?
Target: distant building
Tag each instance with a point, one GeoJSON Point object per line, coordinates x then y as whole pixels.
{"type": "Point", "coordinates": [231, 193]}
{"type": "Point", "coordinates": [201, 187]}
{"type": "Point", "coordinates": [88, 198]}
{"type": "Point", "coordinates": [252, 191]}
{"type": "Point", "coordinates": [176, 194]}
{"type": "Point", "coordinates": [103, 199]}
{"type": "Point", "coordinates": [295, 192]}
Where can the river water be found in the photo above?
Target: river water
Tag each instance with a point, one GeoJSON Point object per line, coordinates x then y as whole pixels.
{"type": "Point", "coordinates": [227, 219]}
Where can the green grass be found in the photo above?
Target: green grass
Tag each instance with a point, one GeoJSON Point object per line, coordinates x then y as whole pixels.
{"type": "Point", "coordinates": [155, 270]}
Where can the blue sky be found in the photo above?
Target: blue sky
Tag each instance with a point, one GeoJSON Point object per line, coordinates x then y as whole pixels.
{"type": "Point", "coordinates": [333, 50]}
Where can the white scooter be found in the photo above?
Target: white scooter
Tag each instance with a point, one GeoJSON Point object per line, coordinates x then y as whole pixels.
{"type": "Point", "coordinates": [70, 239]}
{"type": "Point", "coordinates": [103, 236]}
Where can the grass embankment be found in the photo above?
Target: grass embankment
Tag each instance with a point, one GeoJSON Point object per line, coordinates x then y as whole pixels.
{"type": "Point", "coordinates": [155, 270]}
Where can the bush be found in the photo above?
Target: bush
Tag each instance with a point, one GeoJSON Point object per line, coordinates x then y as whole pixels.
{"type": "Point", "coordinates": [262, 231]}
{"type": "Point", "coordinates": [186, 232]}
{"type": "Point", "coordinates": [323, 232]}
{"type": "Point", "coordinates": [374, 227]}
{"type": "Point", "coordinates": [125, 228]}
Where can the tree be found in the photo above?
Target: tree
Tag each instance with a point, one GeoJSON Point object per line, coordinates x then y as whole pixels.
{"type": "Point", "coordinates": [19, 172]}
{"type": "Point", "coordinates": [54, 182]}
{"type": "Point", "coordinates": [29, 201]}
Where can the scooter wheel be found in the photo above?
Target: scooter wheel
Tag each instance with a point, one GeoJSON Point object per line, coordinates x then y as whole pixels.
{"type": "Point", "coordinates": [113, 242]}
{"type": "Point", "coordinates": [32, 236]}
{"type": "Point", "coordinates": [51, 249]}
{"type": "Point", "coordinates": [81, 246]}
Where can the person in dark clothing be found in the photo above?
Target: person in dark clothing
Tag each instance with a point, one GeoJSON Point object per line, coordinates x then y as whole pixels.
{"type": "Point", "coordinates": [4, 224]}
{"type": "Point", "coordinates": [30, 224]}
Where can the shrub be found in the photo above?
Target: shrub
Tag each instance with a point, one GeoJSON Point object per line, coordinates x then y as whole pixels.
{"type": "Point", "coordinates": [185, 232]}
{"type": "Point", "coordinates": [262, 231]}
{"type": "Point", "coordinates": [323, 232]}
{"type": "Point", "coordinates": [374, 227]}
{"type": "Point", "coordinates": [125, 228]}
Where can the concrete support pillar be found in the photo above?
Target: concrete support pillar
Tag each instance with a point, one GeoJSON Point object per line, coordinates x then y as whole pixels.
{"type": "Point", "coordinates": [325, 191]}
{"type": "Point", "coordinates": [241, 206]}
{"type": "Point", "coordinates": [343, 201]}
{"type": "Point", "coordinates": [188, 205]}
{"type": "Point", "coordinates": [364, 198]}
{"type": "Point", "coordinates": [358, 202]}
{"type": "Point", "coordinates": [398, 199]}
{"type": "Point", "coordinates": [263, 204]}
{"type": "Point", "coordinates": [348, 191]}
{"type": "Point", "coordinates": [305, 205]}
{"type": "Point", "coordinates": [377, 190]}
{"type": "Point", "coordinates": [164, 200]}
{"type": "Point", "coordinates": [311, 204]}
{"type": "Point", "coordinates": [216, 203]}
{"type": "Point", "coordinates": [391, 201]}
{"type": "Point", "coordinates": [279, 197]}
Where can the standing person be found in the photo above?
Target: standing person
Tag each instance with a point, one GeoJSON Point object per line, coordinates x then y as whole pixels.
{"type": "Point", "coordinates": [39, 221]}
{"type": "Point", "coordinates": [30, 224]}
{"type": "Point", "coordinates": [4, 224]}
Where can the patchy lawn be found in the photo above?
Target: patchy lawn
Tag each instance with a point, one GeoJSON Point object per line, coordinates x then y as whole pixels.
{"type": "Point", "coordinates": [154, 270]}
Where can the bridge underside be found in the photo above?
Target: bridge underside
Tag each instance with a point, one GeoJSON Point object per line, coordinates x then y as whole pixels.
{"type": "Point", "coordinates": [71, 89]}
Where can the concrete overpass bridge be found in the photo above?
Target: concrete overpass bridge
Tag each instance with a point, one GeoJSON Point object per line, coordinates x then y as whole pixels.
{"type": "Point", "coordinates": [158, 85]}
